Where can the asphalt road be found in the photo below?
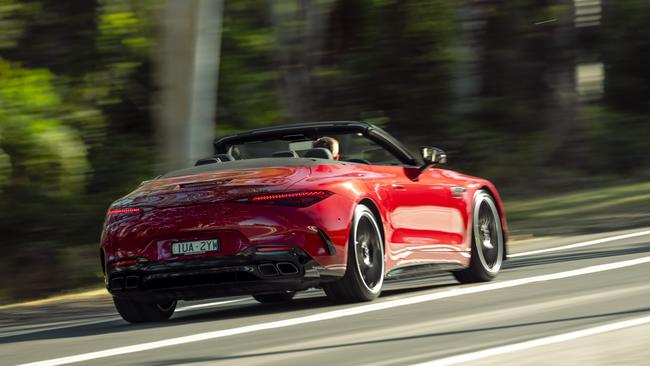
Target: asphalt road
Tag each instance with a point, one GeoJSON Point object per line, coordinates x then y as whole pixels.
{"type": "Point", "coordinates": [553, 304]}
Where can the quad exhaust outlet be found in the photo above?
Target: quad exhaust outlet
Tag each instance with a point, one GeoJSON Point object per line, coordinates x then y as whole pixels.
{"type": "Point", "coordinates": [279, 269]}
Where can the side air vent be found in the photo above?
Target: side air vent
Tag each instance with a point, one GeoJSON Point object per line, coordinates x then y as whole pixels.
{"type": "Point", "coordinates": [331, 250]}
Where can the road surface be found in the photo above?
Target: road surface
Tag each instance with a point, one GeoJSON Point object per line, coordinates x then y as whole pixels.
{"type": "Point", "coordinates": [571, 301]}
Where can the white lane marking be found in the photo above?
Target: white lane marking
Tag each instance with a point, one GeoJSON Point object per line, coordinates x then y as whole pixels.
{"type": "Point", "coordinates": [209, 305]}
{"type": "Point", "coordinates": [473, 356]}
{"type": "Point", "coordinates": [581, 244]}
{"type": "Point", "coordinates": [112, 319]}
{"type": "Point", "coordinates": [338, 313]}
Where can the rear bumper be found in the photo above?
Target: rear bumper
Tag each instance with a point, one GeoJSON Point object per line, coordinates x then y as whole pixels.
{"type": "Point", "coordinates": [320, 231]}
{"type": "Point", "coordinates": [246, 274]}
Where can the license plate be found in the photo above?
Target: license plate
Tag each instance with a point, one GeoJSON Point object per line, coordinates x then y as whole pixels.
{"type": "Point", "coordinates": [195, 247]}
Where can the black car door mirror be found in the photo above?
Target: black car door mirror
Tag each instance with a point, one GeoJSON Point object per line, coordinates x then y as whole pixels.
{"type": "Point", "coordinates": [432, 156]}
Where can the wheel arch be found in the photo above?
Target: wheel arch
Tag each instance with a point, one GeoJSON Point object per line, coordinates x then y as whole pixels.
{"type": "Point", "coordinates": [497, 199]}
{"type": "Point", "coordinates": [376, 213]}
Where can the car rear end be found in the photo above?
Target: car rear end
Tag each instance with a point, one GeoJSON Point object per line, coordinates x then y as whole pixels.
{"type": "Point", "coordinates": [224, 233]}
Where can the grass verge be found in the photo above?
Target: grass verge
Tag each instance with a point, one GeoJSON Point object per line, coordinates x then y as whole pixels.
{"type": "Point", "coordinates": [582, 212]}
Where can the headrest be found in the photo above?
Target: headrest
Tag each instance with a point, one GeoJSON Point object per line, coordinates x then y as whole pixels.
{"type": "Point", "coordinates": [285, 154]}
{"type": "Point", "coordinates": [206, 161]}
{"type": "Point", "coordinates": [319, 153]}
{"type": "Point", "coordinates": [224, 157]}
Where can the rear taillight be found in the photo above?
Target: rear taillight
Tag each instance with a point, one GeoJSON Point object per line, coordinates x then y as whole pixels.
{"type": "Point", "coordinates": [294, 199]}
{"type": "Point", "coordinates": [273, 248]}
{"type": "Point", "coordinates": [122, 213]}
{"type": "Point", "coordinates": [128, 262]}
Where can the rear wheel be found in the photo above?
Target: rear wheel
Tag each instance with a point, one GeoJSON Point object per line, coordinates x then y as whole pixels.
{"type": "Point", "coordinates": [275, 298]}
{"type": "Point", "coordinates": [364, 275]}
{"type": "Point", "coordinates": [487, 242]}
{"type": "Point", "coordinates": [139, 312]}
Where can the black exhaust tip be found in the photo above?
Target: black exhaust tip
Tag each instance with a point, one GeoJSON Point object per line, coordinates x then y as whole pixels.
{"type": "Point", "coordinates": [117, 284]}
{"type": "Point", "coordinates": [268, 269]}
{"type": "Point", "coordinates": [131, 282]}
{"type": "Point", "coordinates": [287, 268]}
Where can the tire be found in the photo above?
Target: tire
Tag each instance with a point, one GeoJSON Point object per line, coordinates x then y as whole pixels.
{"type": "Point", "coordinates": [364, 275]}
{"type": "Point", "coordinates": [487, 241]}
{"type": "Point", "coordinates": [138, 312]}
{"type": "Point", "coordinates": [275, 298]}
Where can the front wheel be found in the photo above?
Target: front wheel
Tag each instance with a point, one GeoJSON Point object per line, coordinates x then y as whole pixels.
{"type": "Point", "coordinates": [139, 312]}
{"type": "Point", "coordinates": [364, 275]}
{"type": "Point", "coordinates": [487, 242]}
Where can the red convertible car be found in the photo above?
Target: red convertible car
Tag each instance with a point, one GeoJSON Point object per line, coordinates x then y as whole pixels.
{"type": "Point", "coordinates": [273, 213]}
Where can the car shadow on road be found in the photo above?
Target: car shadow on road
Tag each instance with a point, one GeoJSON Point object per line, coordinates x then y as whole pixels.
{"type": "Point", "coordinates": [241, 357]}
{"type": "Point", "coordinates": [313, 301]}
{"type": "Point", "coordinates": [227, 312]}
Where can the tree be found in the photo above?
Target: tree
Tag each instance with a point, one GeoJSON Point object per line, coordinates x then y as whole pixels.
{"type": "Point", "coordinates": [189, 61]}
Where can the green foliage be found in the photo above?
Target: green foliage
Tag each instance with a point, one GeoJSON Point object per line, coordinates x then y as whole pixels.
{"type": "Point", "coordinates": [74, 133]}
{"type": "Point", "coordinates": [615, 140]}
{"type": "Point", "coordinates": [616, 206]}
{"type": "Point", "coordinates": [248, 95]}
{"type": "Point", "coordinates": [12, 21]}
{"type": "Point", "coordinates": [46, 155]}
{"type": "Point", "coordinates": [43, 167]}
{"type": "Point", "coordinates": [626, 54]}
{"type": "Point", "coordinates": [396, 63]}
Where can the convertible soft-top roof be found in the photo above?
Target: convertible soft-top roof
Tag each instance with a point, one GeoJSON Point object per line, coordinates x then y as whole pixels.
{"type": "Point", "coordinates": [313, 130]}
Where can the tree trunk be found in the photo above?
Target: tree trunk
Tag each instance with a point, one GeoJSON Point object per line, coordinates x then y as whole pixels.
{"type": "Point", "coordinates": [188, 57]}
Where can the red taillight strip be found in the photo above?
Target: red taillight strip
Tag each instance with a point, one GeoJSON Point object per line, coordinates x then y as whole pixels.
{"type": "Point", "coordinates": [278, 248]}
{"type": "Point", "coordinates": [124, 263]}
{"type": "Point", "coordinates": [128, 262]}
{"type": "Point", "coordinates": [279, 196]}
{"type": "Point", "coordinates": [124, 210]}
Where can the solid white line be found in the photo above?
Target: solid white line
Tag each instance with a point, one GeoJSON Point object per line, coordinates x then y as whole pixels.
{"type": "Point", "coordinates": [112, 319]}
{"type": "Point", "coordinates": [473, 356]}
{"type": "Point", "coordinates": [338, 313]}
{"type": "Point", "coordinates": [209, 305]}
{"type": "Point", "coordinates": [581, 244]}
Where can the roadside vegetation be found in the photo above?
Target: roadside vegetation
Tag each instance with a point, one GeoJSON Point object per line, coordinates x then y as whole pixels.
{"type": "Point", "coordinates": [614, 207]}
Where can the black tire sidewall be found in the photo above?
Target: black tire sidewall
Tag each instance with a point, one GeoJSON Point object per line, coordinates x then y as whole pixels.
{"type": "Point", "coordinates": [138, 312]}
{"type": "Point", "coordinates": [351, 287]}
{"type": "Point", "coordinates": [477, 265]}
{"type": "Point", "coordinates": [352, 253]}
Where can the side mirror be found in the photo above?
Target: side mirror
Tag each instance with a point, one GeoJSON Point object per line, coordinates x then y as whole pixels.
{"type": "Point", "coordinates": [432, 156]}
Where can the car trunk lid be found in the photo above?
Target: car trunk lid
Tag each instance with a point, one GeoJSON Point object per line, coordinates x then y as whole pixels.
{"type": "Point", "coordinates": [212, 187]}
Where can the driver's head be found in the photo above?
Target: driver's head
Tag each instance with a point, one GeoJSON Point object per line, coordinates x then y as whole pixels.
{"type": "Point", "coordinates": [330, 144]}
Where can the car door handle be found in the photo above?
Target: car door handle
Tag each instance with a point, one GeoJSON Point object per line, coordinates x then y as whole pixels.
{"type": "Point", "coordinates": [398, 186]}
